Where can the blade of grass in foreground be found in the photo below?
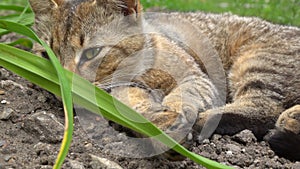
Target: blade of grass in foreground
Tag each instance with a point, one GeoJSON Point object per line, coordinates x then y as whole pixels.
{"type": "Point", "coordinates": [21, 15]}
{"type": "Point", "coordinates": [64, 86]}
{"type": "Point", "coordinates": [40, 72]}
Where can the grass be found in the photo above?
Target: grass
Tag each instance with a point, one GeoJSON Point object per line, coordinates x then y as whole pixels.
{"type": "Point", "coordinates": [278, 11]}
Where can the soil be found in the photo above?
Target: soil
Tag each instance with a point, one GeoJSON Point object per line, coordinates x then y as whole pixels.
{"type": "Point", "coordinates": [31, 130]}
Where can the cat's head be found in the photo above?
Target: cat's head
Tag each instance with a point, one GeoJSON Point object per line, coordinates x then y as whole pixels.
{"type": "Point", "coordinates": [78, 31]}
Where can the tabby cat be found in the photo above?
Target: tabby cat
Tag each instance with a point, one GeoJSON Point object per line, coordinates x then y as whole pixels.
{"type": "Point", "coordinates": [162, 65]}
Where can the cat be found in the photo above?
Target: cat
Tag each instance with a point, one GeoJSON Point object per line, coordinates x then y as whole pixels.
{"type": "Point", "coordinates": [165, 67]}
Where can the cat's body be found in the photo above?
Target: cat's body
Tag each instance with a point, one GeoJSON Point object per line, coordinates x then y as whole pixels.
{"type": "Point", "coordinates": [162, 73]}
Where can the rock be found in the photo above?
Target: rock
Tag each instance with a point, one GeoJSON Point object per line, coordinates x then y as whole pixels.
{"type": "Point", "coordinates": [7, 158]}
{"type": "Point", "coordinates": [88, 146]}
{"type": "Point", "coordinates": [103, 163]}
{"type": "Point", "coordinates": [45, 167]}
{"type": "Point", "coordinates": [2, 92]}
{"type": "Point", "coordinates": [229, 153]}
{"type": "Point", "coordinates": [11, 161]}
{"type": "Point", "coordinates": [43, 149]}
{"type": "Point", "coordinates": [42, 98]}
{"type": "Point", "coordinates": [245, 137]}
{"type": "Point", "coordinates": [295, 165]}
{"type": "Point", "coordinates": [216, 137]}
{"type": "Point", "coordinates": [2, 143]}
{"type": "Point", "coordinates": [234, 148]}
{"type": "Point", "coordinates": [205, 141]}
{"type": "Point", "coordinates": [45, 126]}
{"type": "Point", "coordinates": [10, 85]}
{"type": "Point", "coordinates": [3, 102]}
{"type": "Point", "coordinates": [6, 113]}
{"type": "Point", "coordinates": [76, 164]}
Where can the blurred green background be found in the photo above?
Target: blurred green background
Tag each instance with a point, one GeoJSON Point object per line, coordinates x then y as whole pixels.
{"type": "Point", "coordinates": [277, 11]}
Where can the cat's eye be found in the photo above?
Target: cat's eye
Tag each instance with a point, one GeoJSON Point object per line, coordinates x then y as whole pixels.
{"type": "Point", "coordinates": [90, 53]}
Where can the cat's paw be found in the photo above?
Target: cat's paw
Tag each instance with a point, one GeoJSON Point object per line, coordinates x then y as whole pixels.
{"type": "Point", "coordinates": [177, 126]}
{"type": "Point", "coordinates": [285, 140]}
{"type": "Point", "coordinates": [289, 120]}
{"type": "Point", "coordinates": [285, 144]}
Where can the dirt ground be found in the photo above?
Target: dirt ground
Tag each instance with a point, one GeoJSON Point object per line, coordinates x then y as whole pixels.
{"type": "Point", "coordinates": [31, 129]}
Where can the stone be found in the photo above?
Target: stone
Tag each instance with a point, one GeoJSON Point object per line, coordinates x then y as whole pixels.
{"type": "Point", "coordinates": [76, 164]}
{"type": "Point", "coordinates": [233, 148]}
{"type": "Point", "coordinates": [7, 158]}
{"type": "Point", "coordinates": [43, 149]}
{"type": "Point", "coordinates": [42, 98]}
{"type": "Point", "coordinates": [244, 137]}
{"type": "Point", "coordinates": [229, 153]}
{"type": "Point", "coordinates": [103, 163]}
{"type": "Point", "coordinates": [10, 85]}
{"type": "Point", "coordinates": [205, 141]}
{"type": "Point", "coordinates": [2, 143]}
{"type": "Point", "coordinates": [88, 146]}
{"type": "Point", "coordinates": [45, 126]}
{"type": "Point", "coordinates": [3, 102]}
{"type": "Point", "coordinates": [6, 113]}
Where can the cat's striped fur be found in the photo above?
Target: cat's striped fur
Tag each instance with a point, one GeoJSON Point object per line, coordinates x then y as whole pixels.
{"type": "Point", "coordinates": [261, 62]}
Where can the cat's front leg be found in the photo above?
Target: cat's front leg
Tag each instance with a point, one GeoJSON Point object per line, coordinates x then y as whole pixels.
{"type": "Point", "coordinates": [183, 103]}
{"type": "Point", "coordinates": [150, 106]}
{"type": "Point", "coordinates": [175, 113]}
{"type": "Point", "coordinates": [257, 114]}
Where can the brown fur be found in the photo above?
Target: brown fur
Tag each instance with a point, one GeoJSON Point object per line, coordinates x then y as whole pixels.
{"type": "Point", "coordinates": [261, 62]}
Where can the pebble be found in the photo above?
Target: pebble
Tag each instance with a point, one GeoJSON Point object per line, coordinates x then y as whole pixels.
{"type": "Point", "coordinates": [2, 143]}
{"type": "Point", "coordinates": [2, 92]}
{"type": "Point", "coordinates": [42, 149]}
{"type": "Point", "coordinates": [45, 167]}
{"type": "Point", "coordinates": [88, 146]}
{"type": "Point", "coordinates": [6, 113]}
{"type": "Point", "coordinates": [296, 165]}
{"type": "Point", "coordinates": [205, 141]}
{"type": "Point", "coordinates": [42, 98]}
{"type": "Point", "coordinates": [10, 85]}
{"type": "Point", "coordinates": [3, 101]}
{"type": "Point", "coordinates": [229, 153]}
{"type": "Point", "coordinates": [11, 161]}
{"type": "Point", "coordinates": [45, 125]}
{"type": "Point", "coordinates": [76, 164]}
{"type": "Point", "coordinates": [233, 148]}
{"type": "Point", "coordinates": [245, 137]}
{"type": "Point", "coordinates": [7, 158]}
{"type": "Point", "coordinates": [98, 163]}
{"type": "Point", "coordinates": [216, 137]}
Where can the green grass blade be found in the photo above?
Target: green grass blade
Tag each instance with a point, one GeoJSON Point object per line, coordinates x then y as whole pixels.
{"type": "Point", "coordinates": [64, 86]}
{"type": "Point", "coordinates": [14, 8]}
{"type": "Point", "coordinates": [23, 42]}
{"type": "Point", "coordinates": [32, 68]}
{"type": "Point", "coordinates": [18, 28]}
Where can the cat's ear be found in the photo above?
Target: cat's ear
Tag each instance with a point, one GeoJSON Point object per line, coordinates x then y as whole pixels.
{"type": "Point", "coordinates": [132, 7]}
{"type": "Point", "coordinates": [44, 6]}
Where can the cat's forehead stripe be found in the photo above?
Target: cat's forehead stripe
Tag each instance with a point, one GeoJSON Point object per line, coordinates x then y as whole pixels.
{"type": "Point", "coordinates": [69, 20]}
